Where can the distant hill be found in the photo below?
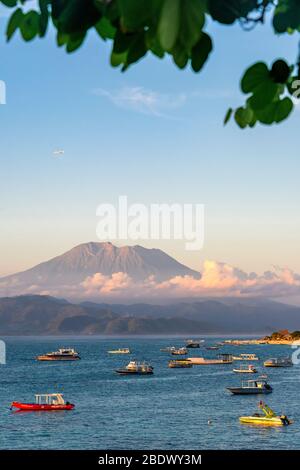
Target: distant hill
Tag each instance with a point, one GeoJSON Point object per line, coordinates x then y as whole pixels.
{"type": "Point", "coordinates": [72, 267]}
{"type": "Point", "coordinates": [44, 315]}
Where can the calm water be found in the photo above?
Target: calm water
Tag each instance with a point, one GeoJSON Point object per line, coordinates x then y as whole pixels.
{"type": "Point", "coordinates": [168, 410]}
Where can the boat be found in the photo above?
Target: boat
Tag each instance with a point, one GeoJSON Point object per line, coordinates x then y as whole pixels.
{"type": "Point", "coordinates": [279, 362]}
{"type": "Point", "coordinates": [168, 349]}
{"type": "Point", "coordinates": [245, 357]}
{"type": "Point", "coordinates": [212, 348]}
{"type": "Point", "coordinates": [191, 343]}
{"type": "Point", "coordinates": [45, 402]}
{"type": "Point", "coordinates": [136, 368]}
{"type": "Point", "coordinates": [63, 354]}
{"type": "Point", "coordinates": [252, 387]}
{"type": "Point", "coordinates": [220, 359]}
{"type": "Point", "coordinates": [120, 351]}
{"type": "Point", "coordinates": [180, 364]}
{"type": "Point", "coordinates": [179, 352]}
{"type": "Point", "coordinates": [267, 418]}
{"type": "Point", "coordinates": [245, 369]}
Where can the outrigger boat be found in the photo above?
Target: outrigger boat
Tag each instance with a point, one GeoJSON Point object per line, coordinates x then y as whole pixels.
{"type": "Point", "coordinates": [136, 368]}
{"type": "Point", "coordinates": [245, 357]}
{"type": "Point", "coordinates": [63, 354]}
{"type": "Point", "coordinates": [120, 351]}
{"type": "Point", "coordinates": [191, 343]}
{"type": "Point", "coordinates": [220, 359]}
{"type": "Point", "coordinates": [168, 349]}
{"type": "Point", "coordinates": [268, 418]}
{"type": "Point", "coordinates": [179, 352]}
{"type": "Point", "coordinates": [45, 402]}
{"type": "Point", "coordinates": [245, 369]}
{"type": "Point", "coordinates": [252, 387]}
{"type": "Point", "coordinates": [279, 362]}
{"type": "Point", "coordinates": [180, 364]}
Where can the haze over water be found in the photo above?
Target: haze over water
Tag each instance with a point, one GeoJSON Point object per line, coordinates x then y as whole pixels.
{"type": "Point", "coordinates": [169, 410]}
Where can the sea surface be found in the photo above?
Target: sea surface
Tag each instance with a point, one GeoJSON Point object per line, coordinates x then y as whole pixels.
{"type": "Point", "coordinates": [169, 410]}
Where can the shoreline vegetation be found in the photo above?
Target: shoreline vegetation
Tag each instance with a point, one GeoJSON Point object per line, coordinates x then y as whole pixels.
{"type": "Point", "coordinates": [278, 337]}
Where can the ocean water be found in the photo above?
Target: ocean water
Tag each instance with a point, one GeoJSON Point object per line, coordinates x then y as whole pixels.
{"type": "Point", "coordinates": [169, 410]}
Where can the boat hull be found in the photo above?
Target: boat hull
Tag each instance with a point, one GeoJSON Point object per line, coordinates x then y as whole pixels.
{"type": "Point", "coordinates": [52, 358]}
{"type": "Point", "coordinates": [249, 391]}
{"type": "Point", "coordinates": [36, 407]}
{"type": "Point", "coordinates": [133, 372]}
{"type": "Point", "coordinates": [201, 361]}
{"type": "Point", "coordinates": [264, 421]}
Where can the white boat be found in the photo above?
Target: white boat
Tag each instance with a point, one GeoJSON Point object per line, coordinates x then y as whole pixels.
{"type": "Point", "coordinates": [245, 369]}
{"type": "Point", "coordinates": [245, 357]}
{"type": "Point", "coordinates": [119, 351]}
{"type": "Point", "coordinates": [136, 368]}
{"type": "Point", "coordinates": [279, 362]}
{"type": "Point", "coordinates": [220, 359]}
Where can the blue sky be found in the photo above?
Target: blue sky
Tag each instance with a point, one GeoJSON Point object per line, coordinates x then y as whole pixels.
{"type": "Point", "coordinates": [176, 150]}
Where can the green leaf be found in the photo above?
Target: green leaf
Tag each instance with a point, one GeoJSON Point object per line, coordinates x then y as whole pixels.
{"type": "Point", "coordinates": [135, 13]}
{"type": "Point", "coordinates": [263, 95]}
{"type": "Point", "coordinates": [105, 29]}
{"type": "Point", "coordinates": [14, 23]}
{"type": "Point", "coordinates": [243, 116]}
{"type": "Point", "coordinates": [29, 26]}
{"type": "Point", "coordinates": [168, 27]}
{"type": "Point", "coordinates": [201, 51]}
{"type": "Point", "coordinates": [229, 11]}
{"type": "Point", "coordinates": [286, 16]}
{"type": "Point", "coordinates": [74, 42]}
{"type": "Point", "coordinates": [180, 55]}
{"type": "Point", "coordinates": [117, 59]}
{"type": "Point", "coordinates": [137, 49]}
{"type": "Point", "coordinates": [254, 76]}
{"type": "Point", "coordinates": [228, 116]}
{"type": "Point", "coordinates": [192, 20]}
{"type": "Point", "coordinates": [275, 112]}
{"type": "Point", "coordinates": [44, 17]}
{"type": "Point", "coordinates": [10, 3]}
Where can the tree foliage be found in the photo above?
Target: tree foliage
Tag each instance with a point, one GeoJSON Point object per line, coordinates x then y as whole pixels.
{"type": "Point", "coordinates": [176, 28]}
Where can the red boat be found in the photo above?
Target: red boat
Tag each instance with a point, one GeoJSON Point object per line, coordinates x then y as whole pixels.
{"type": "Point", "coordinates": [46, 402]}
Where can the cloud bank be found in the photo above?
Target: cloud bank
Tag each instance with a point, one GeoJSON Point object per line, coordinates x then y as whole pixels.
{"type": "Point", "coordinates": [217, 280]}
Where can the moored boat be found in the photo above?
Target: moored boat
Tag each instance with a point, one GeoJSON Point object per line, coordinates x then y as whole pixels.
{"type": "Point", "coordinates": [120, 351]}
{"type": "Point", "coordinates": [220, 359]}
{"type": "Point", "coordinates": [245, 369]}
{"type": "Point", "coordinates": [136, 368]}
{"type": "Point", "coordinates": [179, 352]}
{"type": "Point", "coordinates": [180, 364]}
{"type": "Point", "coordinates": [212, 348]}
{"type": "Point", "coordinates": [268, 418]}
{"type": "Point", "coordinates": [252, 387]}
{"type": "Point", "coordinates": [45, 402]}
{"type": "Point", "coordinates": [279, 362]}
{"type": "Point", "coordinates": [191, 343]}
{"type": "Point", "coordinates": [245, 357]}
{"type": "Point", "coordinates": [63, 354]}
{"type": "Point", "coordinates": [168, 349]}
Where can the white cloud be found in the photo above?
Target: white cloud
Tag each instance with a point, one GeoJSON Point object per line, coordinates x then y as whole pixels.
{"type": "Point", "coordinates": [217, 280]}
{"type": "Point", "coordinates": [142, 100]}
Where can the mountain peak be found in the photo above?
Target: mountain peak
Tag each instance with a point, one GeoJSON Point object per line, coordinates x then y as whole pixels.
{"type": "Point", "coordinates": [74, 266]}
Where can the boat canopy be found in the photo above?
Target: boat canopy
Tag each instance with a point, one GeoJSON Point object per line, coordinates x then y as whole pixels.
{"type": "Point", "coordinates": [50, 399]}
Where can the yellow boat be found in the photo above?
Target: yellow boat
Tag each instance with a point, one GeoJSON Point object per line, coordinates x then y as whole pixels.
{"type": "Point", "coordinates": [269, 418]}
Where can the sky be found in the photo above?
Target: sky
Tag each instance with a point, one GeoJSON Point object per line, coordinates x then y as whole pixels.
{"type": "Point", "coordinates": [155, 134]}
